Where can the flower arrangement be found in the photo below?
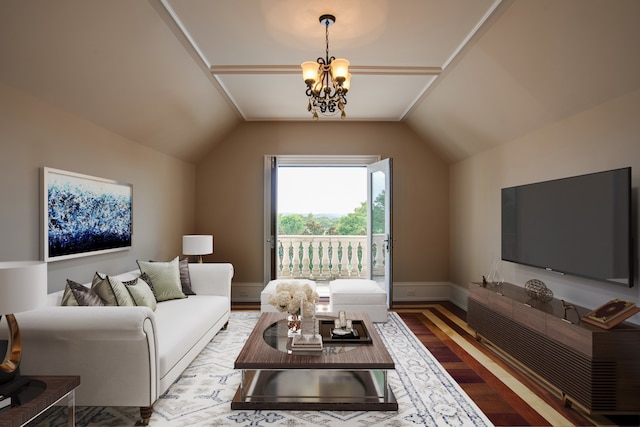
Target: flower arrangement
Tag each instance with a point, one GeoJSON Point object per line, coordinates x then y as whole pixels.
{"type": "Point", "coordinates": [294, 298]}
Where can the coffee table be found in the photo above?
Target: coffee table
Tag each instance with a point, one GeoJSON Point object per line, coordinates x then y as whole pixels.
{"type": "Point", "coordinates": [43, 393]}
{"type": "Point", "coordinates": [344, 377]}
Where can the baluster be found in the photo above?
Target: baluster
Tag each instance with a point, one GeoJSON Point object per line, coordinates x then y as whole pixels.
{"type": "Point", "coordinates": [374, 254]}
{"type": "Point", "coordinates": [320, 255]}
{"type": "Point", "coordinates": [359, 259]}
{"type": "Point", "coordinates": [290, 253]}
{"type": "Point", "coordinates": [300, 257]}
{"type": "Point", "coordinates": [349, 257]}
{"type": "Point", "coordinates": [339, 259]}
{"type": "Point", "coordinates": [280, 256]}
{"type": "Point", "coordinates": [310, 259]}
{"type": "Point", "coordinates": [330, 251]}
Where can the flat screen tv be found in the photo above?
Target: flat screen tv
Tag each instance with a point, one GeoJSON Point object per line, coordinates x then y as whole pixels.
{"type": "Point", "coordinates": [579, 226]}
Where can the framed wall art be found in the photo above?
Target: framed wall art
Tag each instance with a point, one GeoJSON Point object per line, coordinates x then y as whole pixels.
{"type": "Point", "coordinates": [84, 215]}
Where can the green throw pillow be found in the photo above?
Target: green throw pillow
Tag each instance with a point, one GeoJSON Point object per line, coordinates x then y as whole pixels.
{"type": "Point", "coordinates": [141, 293]}
{"type": "Point", "coordinates": [165, 278]}
{"type": "Point", "coordinates": [123, 297]}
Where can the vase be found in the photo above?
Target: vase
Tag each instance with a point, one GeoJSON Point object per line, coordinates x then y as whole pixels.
{"type": "Point", "coordinates": [293, 324]}
{"type": "Point", "coordinates": [494, 276]}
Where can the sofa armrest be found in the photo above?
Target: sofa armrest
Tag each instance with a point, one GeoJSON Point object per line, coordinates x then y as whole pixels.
{"type": "Point", "coordinates": [95, 342]}
{"type": "Point", "coordinates": [211, 278]}
{"type": "Point", "coordinates": [86, 323]}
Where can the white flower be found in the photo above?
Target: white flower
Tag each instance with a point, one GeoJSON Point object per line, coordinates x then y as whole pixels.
{"type": "Point", "coordinates": [289, 296]}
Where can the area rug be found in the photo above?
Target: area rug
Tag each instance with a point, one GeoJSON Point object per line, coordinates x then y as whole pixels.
{"type": "Point", "coordinates": [426, 394]}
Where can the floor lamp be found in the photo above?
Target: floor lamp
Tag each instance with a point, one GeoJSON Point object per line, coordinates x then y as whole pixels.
{"type": "Point", "coordinates": [198, 245]}
{"type": "Point", "coordinates": [23, 286]}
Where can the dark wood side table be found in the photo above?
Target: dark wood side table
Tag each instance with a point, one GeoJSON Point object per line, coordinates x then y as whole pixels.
{"type": "Point", "coordinates": [57, 388]}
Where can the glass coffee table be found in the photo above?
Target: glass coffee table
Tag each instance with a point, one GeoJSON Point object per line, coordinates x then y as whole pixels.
{"type": "Point", "coordinates": [345, 376]}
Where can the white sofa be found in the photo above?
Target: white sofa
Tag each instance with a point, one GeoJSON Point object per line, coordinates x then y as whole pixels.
{"type": "Point", "coordinates": [126, 356]}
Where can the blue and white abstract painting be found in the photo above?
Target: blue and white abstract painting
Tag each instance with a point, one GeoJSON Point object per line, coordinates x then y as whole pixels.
{"type": "Point", "coordinates": [85, 215]}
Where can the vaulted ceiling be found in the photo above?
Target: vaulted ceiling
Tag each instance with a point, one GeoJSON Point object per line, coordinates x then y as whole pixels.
{"type": "Point", "coordinates": [179, 75]}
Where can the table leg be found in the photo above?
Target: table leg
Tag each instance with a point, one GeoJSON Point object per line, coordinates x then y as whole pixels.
{"type": "Point", "coordinates": [71, 408]}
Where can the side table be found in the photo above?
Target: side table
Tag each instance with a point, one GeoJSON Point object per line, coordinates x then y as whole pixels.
{"type": "Point", "coordinates": [58, 387]}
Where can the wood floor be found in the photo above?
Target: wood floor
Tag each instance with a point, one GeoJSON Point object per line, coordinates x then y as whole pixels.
{"type": "Point", "coordinates": [508, 396]}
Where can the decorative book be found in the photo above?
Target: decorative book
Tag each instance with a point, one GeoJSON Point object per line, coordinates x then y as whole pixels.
{"type": "Point", "coordinates": [307, 343]}
{"type": "Point", "coordinates": [611, 313]}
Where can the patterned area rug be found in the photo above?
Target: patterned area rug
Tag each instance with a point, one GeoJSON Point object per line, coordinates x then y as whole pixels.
{"type": "Point", "coordinates": [426, 393]}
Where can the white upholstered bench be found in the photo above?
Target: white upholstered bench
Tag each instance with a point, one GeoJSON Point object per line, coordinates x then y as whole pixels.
{"type": "Point", "coordinates": [358, 295]}
{"type": "Point", "coordinates": [265, 307]}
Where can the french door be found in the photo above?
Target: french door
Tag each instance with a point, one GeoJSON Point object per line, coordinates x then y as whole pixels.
{"type": "Point", "coordinates": [379, 234]}
{"type": "Point", "coordinates": [378, 218]}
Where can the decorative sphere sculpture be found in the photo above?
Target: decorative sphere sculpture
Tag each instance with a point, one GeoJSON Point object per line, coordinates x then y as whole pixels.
{"type": "Point", "coordinates": [538, 290]}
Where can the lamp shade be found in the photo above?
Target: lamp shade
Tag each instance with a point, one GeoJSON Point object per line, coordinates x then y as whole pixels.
{"type": "Point", "coordinates": [197, 244]}
{"type": "Point", "coordinates": [23, 286]}
{"type": "Point", "coordinates": [310, 72]}
{"type": "Point", "coordinates": [340, 69]}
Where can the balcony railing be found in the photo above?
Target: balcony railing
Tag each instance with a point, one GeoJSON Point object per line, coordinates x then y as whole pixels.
{"type": "Point", "coordinates": [328, 257]}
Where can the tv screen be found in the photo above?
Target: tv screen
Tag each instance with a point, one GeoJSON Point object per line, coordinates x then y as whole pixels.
{"type": "Point", "coordinates": [579, 226]}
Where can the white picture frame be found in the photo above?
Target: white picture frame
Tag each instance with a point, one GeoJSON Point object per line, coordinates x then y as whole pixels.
{"type": "Point", "coordinates": [84, 215]}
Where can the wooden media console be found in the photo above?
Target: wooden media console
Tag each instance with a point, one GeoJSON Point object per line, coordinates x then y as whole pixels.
{"type": "Point", "coordinates": [593, 368]}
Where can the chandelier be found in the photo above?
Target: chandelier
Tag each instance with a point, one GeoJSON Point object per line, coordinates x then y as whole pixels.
{"type": "Point", "coordinates": [327, 80]}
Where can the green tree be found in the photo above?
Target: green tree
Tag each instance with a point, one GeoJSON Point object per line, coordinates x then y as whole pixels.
{"type": "Point", "coordinates": [313, 227]}
{"type": "Point", "coordinates": [355, 223]}
{"type": "Point", "coordinates": [378, 214]}
{"type": "Point", "coordinates": [293, 224]}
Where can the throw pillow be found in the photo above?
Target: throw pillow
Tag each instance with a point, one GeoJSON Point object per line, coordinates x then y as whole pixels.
{"type": "Point", "coordinates": [119, 289]}
{"type": "Point", "coordinates": [100, 285]}
{"type": "Point", "coordinates": [185, 278]}
{"type": "Point", "coordinates": [141, 293]}
{"type": "Point", "coordinates": [145, 277]}
{"type": "Point", "coordinates": [165, 277]}
{"type": "Point", "coordinates": [76, 294]}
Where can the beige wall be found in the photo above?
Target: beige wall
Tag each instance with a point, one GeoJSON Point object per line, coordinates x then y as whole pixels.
{"type": "Point", "coordinates": [33, 135]}
{"type": "Point", "coordinates": [602, 138]}
{"type": "Point", "coordinates": [230, 191]}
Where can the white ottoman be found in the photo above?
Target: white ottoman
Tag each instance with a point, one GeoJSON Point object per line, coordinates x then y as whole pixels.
{"type": "Point", "coordinates": [271, 288]}
{"type": "Point", "coordinates": [358, 295]}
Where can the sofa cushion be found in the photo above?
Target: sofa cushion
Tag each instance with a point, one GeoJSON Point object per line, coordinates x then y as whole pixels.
{"type": "Point", "coordinates": [165, 278]}
{"type": "Point", "coordinates": [76, 294]}
{"type": "Point", "coordinates": [182, 322]}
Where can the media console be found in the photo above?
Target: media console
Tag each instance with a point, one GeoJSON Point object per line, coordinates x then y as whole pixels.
{"type": "Point", "coordinates": [598, 370]}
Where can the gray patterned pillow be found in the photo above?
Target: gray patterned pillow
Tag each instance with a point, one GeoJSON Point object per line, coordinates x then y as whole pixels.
{"type": "Point", "coordinates": [165, 278]}
{"type": "Point", "coordinates": [100, 285]}
{"type": "Point", "coordinates": [185, 278]}
{"type": "Point", "coordinates": [76, 294]}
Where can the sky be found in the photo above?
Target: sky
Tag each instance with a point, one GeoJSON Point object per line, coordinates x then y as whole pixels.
{"type": "Point", "coordinates": [328, 190]}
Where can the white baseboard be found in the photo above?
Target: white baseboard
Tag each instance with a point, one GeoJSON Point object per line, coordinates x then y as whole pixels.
{"type": "Point", "coordinates": [402, 292]}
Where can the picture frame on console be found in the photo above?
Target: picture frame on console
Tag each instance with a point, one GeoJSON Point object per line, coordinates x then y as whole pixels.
{"type": "Point", "coordinates": [84, 215]}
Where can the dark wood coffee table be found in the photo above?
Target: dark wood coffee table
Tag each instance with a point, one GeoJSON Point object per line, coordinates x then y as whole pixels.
{"type": "Point", "coordinates": [345, 377]}
{"type": "Point", "coordinates": [42, 394]}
